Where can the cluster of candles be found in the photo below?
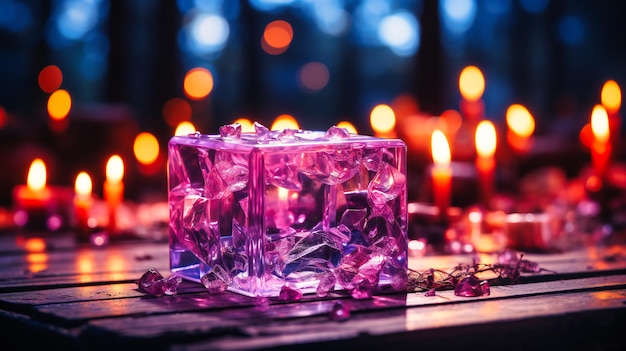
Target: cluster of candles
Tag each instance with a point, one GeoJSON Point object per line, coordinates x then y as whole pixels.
{"type": "Point", "coordinates": [41, 207]}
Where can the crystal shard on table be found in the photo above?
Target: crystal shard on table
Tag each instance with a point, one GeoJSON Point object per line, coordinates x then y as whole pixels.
{"type": "Point", "coordinates": [471, 286]}
{"type": "Point", "coordinates": [314, 210]}
{"type": "Point", "coordinates": [153, 283]}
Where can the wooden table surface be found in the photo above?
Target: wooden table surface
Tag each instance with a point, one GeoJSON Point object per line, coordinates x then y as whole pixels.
{"type": "Point", "coordinates": [61, 295]}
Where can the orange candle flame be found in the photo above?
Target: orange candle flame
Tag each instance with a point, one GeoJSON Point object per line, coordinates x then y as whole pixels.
{"type": "Point", "coordinates": [440, 149]}
{"type": "Point", "coordinates": [611, 96]}
{"type": "Point", "coordinates": [520, 121]}
{"type": "Point", "coordinates": [485, 139]}
{"type": "Point", "coordinates": [285, 121]}
{"type": "Point", "coordinates": [185, 128]}
{"type": "Point", "coordinates": [36, 179]}
{"type": "Point", "coordinates": [600, 124]}
{"type": "Point", "coordinates": [115, 169]}
{"type": "Point", "coordinates": [83, 185]}
{"type": "Point", "coordinates": [382, 120]}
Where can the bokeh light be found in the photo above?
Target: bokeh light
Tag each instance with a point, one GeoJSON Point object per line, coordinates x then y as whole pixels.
{"type": "Point", "coordinates": [471, 83]}
{"type": "Point", "coordinates": [50, 78]}
{"type": "Point", "coordinates": [59, 104]}
{"type": "Point", "coordinates": [349, 126]}
{"type": "Point", "coordinates": [185, 128]}
{"type": "Point", "coordinates": [114, 169]}
{"type": "Point", "coordinates": [246, 125]}
{"type": "Point", "coordinates": [146, 148]}
{"type": "Point", "coordinates": [486, 139]}
{"type": "Point", "coordinates": [520, 121]}
{"type": "Point", "coordinates": [37, 175]}
{"type": "Point", "coordinates": [277, 37]}
{"type": "Point", "coordinates": [611, 96]}
{"type": "Point", "coordinates": [198, 83]}
{"type": "Point", "coordinates": [600, 124]}
{"type": "Point", "coordinates": [382, 119]}
{"type": "Point", "coordinates": [285, 121]}
{"type": "Point", "coordinates": [83, 184]}
{"type": "Point", "coordinates": [314, 76]}
{"type": "Point", "coordinates": [401, 33]}
{"type": "Point", "coordinates": [176, 110]}
{"type": "Point", "coordinates": [458, 15]}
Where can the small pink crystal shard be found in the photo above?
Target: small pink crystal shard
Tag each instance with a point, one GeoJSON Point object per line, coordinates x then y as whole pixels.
{"type": "Point", "coordinates": [231, 131]}
{"type": "Point", "coordinates": [326, 285]}
{"type": "Point", "coordinates": [335, 132]}
{"type": "Point", "coordinates": [288, 293]}
{"type": "Point", "coordinates": [339, 312]}
{"type": "Point", "coordinates": [216, 280]}
{"type": "Point", "coordinates": [153, 283]}
{"type": "Point", "coordinates": [364, 290]}
{"type": "Point", "coordinates": [430, 292]}
{"type": "Point", "coordinates": [471, 286]}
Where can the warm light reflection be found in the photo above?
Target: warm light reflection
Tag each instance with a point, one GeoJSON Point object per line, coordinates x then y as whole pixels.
{"type": "Point", "coordinates": [115, 169]}
{"type": "Point", "coordinates": [198, 83]}
{"type": "Point", "coordinates": [36, 179]}
{"type": "Point", "coordinates": [277, 37]}
{"type": "Point", "coordinates": [37, 262]}
{"type": "Point", "coordinates": [50, 78]}
{"type": "Point", "coordinates": [349, 126]}
{"type": "Point", "coordinates": [600, 124]}
{"type": "Point", "coordinates": [471, 83]}
{"type": "Point", "coordinates": [146, 148]}
{"type": "Point", "coordinates": [440, 148]}
{"type": "Point", "coordinates": [176, 110]}
{"type": "Point", "coordinates": [116, 266]}
{"type": "Point", "coordinates": [382, 119]}
{"type": "Point", "coordinates": [520, 121]}
{"type": "Point", "coordinates": [285, 122]}
{"type": "Point", "coordinates": [83, 185]}
{"type": "Point", "coordinates": [246, 125]}
{"type": "Point", "coordinates": [34, 245]}
{"type": "Point", "coordinates": [586, 135]}
{"type": "Point", "coordinates": [185, 128]}
{"type": "Point", "coordinates": [59, 104]}
{"type": "Point", "coordinates": [485, 139]}
{"type": "Point", "coordinates": [611, 96]}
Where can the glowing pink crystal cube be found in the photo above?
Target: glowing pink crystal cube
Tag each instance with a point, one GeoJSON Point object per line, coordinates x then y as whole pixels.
{"type": "Point", "coordinates": [254, 211]}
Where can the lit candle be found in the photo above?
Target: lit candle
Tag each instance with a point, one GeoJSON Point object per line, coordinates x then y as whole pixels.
{"type": "Point", "coordinates": [441, 172]}
{"type": "Point", "coordinates": [521, 126]}
{"type": "Point", "coordinates": [600, 146]}
{"type": "Point", "coordinates": [83, 201]}
{"type": "Point", "coordinates": [114, 189]}
{"type": "Point", "coordinates": [485, 162]}
{"type": "Point", "coordinates": [33, 201]}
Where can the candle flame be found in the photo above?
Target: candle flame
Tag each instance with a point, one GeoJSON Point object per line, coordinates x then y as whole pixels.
{"type": "Point", "coordinates": [115, 169]}
{"type": "Point", "coordinates": [611, 96]}
{"type": "Point", "coordinates": [185, 128]}
{"type": "Point", "coordinates": [246, 125]}
{"type": "Point", "coordinates": [285, 122]}
{"type": "Point", "coordinates": [349, 126]}
{"type": "Point", "coordinates": [36, 179]}
{"type": "Point", "coordinates": [83, 185]}
{"type": "Point", "coordinates": [382, 118]}
{"type": "Point", "coordinates": [283, 193]}
{"type": "Point", "coordinates": [146, 148]}
{"type": "Point", "coordinates": [471, 83]}
{"type": "Point", "coordinates": [440, 148]}
{"type": "Point", "coordinates": [520, 121]}
{"type": "Point", "coordinates": [485, 139]}
{"type": "Point", "coordinates": [600, 123]}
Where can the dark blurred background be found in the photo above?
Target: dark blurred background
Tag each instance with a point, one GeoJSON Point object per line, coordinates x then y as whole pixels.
{"type": "Point", "coordinates": [124, 62]}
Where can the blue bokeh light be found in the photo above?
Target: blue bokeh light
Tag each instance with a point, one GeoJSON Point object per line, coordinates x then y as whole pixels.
{"type": "Point", "coordinates": [534, 6]}
{"type": "Point", "coordinates": [571, 30]}
{"type": "Point", "coordinates": [15, 16]}
{"type": "Point", "coordinates": [458, 15]}
{"type": "Point", "coordinates": [401, 33]}
{"type": "Point", "coordinates": [77, 18]}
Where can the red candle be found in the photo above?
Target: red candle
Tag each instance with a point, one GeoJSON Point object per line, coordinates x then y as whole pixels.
{"type": "Point", "coordinates": [83, 201]}
{"type": "Point", "coordinates": [485, 139]}
{"type": "Point", "coordinates": [441, 172]}
{"type": "Point", "coordinates": [33, 201]}
{"type": "Point", "coordinates": [114, 189]}
{"type": "Point", "coordinates": [600, 146]}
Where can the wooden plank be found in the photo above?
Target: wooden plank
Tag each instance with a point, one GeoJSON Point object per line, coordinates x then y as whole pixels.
{"type": "Point", "coordinates": [80, 311]}
{"type": "Point", "coordinates": [361, 329]}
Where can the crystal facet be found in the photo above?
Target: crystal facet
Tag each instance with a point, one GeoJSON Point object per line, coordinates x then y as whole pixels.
{"type": "Point", "coordinates": [153, 283]}
{"type": "Point", "coordinates": [471, 286]}
{"type": "Point", "coordinates": [253, 212]}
